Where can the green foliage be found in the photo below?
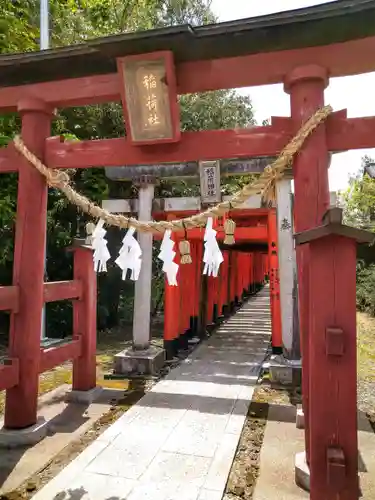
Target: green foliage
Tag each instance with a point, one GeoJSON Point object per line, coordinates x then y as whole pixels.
{"type": "Point", "coordinates": [216, 110]}
{"type": "Point", "coordinates": [366, 288]}
{"type": "Point", "coordinates": [18, 32]}
{"type": "Point", "coordinates": [74, 21]}
{"type": "Point", "coordinates": [360, 200]}
{"type": "Point", "coordinates": [359, 212]}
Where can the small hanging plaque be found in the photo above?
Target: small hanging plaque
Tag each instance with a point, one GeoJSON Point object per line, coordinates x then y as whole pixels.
{"type": "Point", "coordinates": [209, 172]}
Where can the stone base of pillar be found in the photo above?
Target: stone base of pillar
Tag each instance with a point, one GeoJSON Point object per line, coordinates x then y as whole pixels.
{"type": "Point", "coordinates": [16, 438]}
{"type": "Point", "coordinates": [134, 362]}
{"type": "Point", "coordinates": [194, 341]}
{"type": "Point", "coordinates": [300, 418]}
{"type": "Point", "coordinates": [284, 371]}
{"type": "Point", "coordinates": [302, 471]}
{"type": "Point", "coordinates": [84, 397]}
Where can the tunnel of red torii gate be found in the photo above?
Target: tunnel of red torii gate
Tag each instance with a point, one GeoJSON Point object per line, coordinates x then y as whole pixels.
{"type": "Point", "coordinates": [302, 49]}
{"type": "Point", "coordinates": [254, 255]}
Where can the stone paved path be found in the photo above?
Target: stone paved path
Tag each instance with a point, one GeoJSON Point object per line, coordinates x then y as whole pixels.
{"type": "Point", "coordinates": [179, 441]}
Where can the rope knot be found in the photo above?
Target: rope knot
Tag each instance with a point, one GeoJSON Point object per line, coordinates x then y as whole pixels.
{"type": "Point", "coordinates": [268, 170]}
{"type": "Point", "coordinates": [56, 178]}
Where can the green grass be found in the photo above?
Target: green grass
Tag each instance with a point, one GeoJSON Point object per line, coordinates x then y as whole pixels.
{"type": "Point", "coordinates": [109, 343]}
{"type": "Point", "coordinates": [366, 347]}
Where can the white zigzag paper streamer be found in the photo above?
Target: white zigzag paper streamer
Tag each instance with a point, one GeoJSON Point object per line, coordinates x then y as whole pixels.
{"type": "Point", "coordinates": [130, 256]}
{"type": "Point", "coordinates": [212, 257]}
{"type": "Point", "coordinates": [167, 254]}
{"type": "Point", "coordinates": [99, 244]}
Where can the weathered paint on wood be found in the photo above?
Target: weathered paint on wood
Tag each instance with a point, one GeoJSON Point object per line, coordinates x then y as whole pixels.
{"type": "Point", "coordinates": [333, 370]}
{"type": "Point", "coordinates": [84, 321]}
{"type": "Point", "coordinates": [28, 270]}
{"type": "Point", "coordinates": [55, 356]}
{"type": "Point", "coordinates": [62, 290]}
{"type": "Point", "coordinates": [310, 168]}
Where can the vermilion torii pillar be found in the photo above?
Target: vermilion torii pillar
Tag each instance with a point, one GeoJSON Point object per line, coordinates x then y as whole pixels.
{"type": "Point", "coordinates": [28, 268]}
{"type": "Point", "coordinates": [310, 170]}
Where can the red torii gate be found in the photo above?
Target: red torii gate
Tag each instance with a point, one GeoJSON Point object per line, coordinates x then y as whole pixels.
{"type": "Point", "coordinates": [243, 271]}
{"type": "Point", "coordinates": [273, 50]}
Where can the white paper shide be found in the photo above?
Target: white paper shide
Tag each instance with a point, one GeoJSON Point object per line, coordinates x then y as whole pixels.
{"type": "Point", "coordinates": [130, 256]}
{"type": "Point", "coordinates": [99, 244]}
{"type": "Point", "coordinates": [212, 256]}
{"type": "Point", "coordinates": [167, 254]}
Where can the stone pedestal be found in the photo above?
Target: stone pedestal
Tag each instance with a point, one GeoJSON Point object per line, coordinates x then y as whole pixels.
{"type": "Point", "coordinates": [302, 471]}
{"type": "Point", "coordinates": [84, 397]}
{"type": "Point", "coordinates": [300, 417]}
{"type": "Point", "coordinates": [16, 438]}
{"type": "Point", "coordinates": [139, 362]}
{"type": "Point", "coordinates": [284, 371]}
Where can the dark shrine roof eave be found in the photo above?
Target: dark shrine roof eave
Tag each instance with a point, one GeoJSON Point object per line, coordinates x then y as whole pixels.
{"type": "Point", "coordinates": [334, 22]}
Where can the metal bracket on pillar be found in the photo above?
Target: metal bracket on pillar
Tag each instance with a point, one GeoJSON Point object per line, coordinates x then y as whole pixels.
{"type": "Point", "coordinates": [336, 468]}
{"type": "Point", "coordinates": [335, 342]}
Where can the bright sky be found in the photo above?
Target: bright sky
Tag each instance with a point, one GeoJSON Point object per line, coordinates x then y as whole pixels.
{"type": "Point", "coordinates": [353, 93]}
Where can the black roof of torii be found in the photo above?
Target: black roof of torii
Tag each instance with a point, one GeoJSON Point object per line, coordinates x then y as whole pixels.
{"type": "Point", "coordinates": [332, 22]}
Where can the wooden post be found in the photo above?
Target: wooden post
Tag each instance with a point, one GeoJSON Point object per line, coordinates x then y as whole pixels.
{"type": "Point", "coordinates": [259, 269]}
{"type": "Point", "coordinates": [273, 263]}
{"type": "Point", "coordinates": [310, 169]}
{"type": "Point", "coordinates": [239, 289]}
{"type": "Point", "coordinates": [333, 370]}
{"type": "Point", "coordinates": [198, 286]}
{"type": "Point", "coordinates": [216, 290]}
{"type": "Point", "coordinates": [237, 280]}
{"type": "Point", "coordinates": [28, 268]}
{"type": "Point", "coordinates": [246, 274]}
{"type": "Point", "coordinates": [255, 271]}
{"type": "Point", "coordinates": [232, 277]}
{"type": "Point", "coordinates": [193, 277]}
{"type": "Point", "coordinates": [251, 273]}
{"type": "Point", "coordinates": [210, 299]}
{"type": "Point", "coordinates": [185, 300]}
{"type": "Point", "coordinates": [224, 285]}
{"type": "Point", "coordinates": [181, 306]}
{"type": "Point", "coordinates": [171, 314]}
{"type": "Point", "coordinates": [84, 321]}
{"type": "Point", "coordinates": [202, 295]}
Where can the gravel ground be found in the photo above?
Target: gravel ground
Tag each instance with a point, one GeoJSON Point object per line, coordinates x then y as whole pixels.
{"type": "Point", "coordinates": [109, 343]}
{"type": "Point", "coordinates": [366, 365]}
{"type": "Point", "coordinates": [245, 468]}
